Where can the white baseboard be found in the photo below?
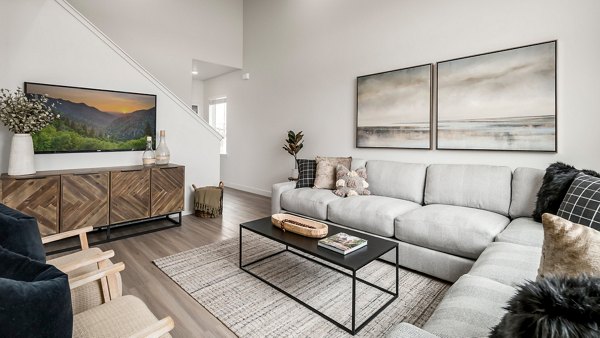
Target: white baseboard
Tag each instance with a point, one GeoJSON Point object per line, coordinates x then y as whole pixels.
{"type": "Point", "coordinates": [253, 190]}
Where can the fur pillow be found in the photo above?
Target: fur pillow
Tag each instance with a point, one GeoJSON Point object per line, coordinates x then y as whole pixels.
{"type": "Point", "coordinates": [325, 176]}
{"type": "Point", "coordinates": [351, 183]}
{"type": "Point", "coordinates": [557, 180]}
{"type": "Point", "coordinates": [553, 307]}
{"type": "Point", "coordinates": [569, 248]}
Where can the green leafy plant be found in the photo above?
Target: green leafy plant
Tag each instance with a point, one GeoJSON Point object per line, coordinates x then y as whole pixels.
{"type": "Point", "coordinates": [293, 144]}
{"type": "Point", "coordinates": [24, 114]}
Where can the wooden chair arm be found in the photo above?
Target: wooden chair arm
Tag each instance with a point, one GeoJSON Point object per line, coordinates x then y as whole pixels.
{"type": "Point", "coordinates": [89, 277]}
{"type": "Point", "coordinates": [156, 330]}
{"type": "Point", "coordinates": [82, 233]}
{"type": "Point", "coordinates": [88, 257]}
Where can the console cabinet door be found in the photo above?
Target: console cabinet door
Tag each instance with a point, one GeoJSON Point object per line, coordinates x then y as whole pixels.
{"type": "Point", "coordinates": [84, 201]}
{"type": "Point", "coordinates": [167, 190]}
{"type": "Point", "coordinates": [129, 195]}
{"type": "Point", "coordinates": [37, 197]}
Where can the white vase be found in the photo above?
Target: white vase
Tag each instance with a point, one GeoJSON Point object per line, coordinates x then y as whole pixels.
{"type": "Point", "coordinates": [20, 161]}
{"type": "Point", "coordinates": [294, 174]}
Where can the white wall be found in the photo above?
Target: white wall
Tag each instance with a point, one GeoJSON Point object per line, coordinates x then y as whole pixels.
{"type": "Point", "coordinates": [304, 57]}
{"type": "Point", "coordinates": [40, 41]}
{"type": "Point", "coordinates": [164, 36]}
{"type": "Point", "coordinates": [198, 97]}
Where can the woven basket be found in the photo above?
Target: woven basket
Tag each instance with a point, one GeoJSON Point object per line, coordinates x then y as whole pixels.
{"type": "Point", "coordinates": [301, 226]}
{"type": "Point", "coordinates": [203, 214]}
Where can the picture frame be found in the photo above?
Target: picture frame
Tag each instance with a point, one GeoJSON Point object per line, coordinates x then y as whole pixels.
{"type": "Point", "coordinates": [94, 120]}
{"type": "Point", "coordinates": [504, 100]}
{"type": "Point", "coordinates": [394, 109]}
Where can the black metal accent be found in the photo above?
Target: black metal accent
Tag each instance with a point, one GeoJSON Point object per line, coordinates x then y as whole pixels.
{"type": "Point", "coordinates": [353, 330]}
{"type": "Point", "coordinates": [107, 229]}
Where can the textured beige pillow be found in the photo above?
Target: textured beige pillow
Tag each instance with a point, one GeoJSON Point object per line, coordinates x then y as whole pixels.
{"type": "Point", "coordinates": [569, 248]}
{"type": "Point", "coordinates": [325, 175]}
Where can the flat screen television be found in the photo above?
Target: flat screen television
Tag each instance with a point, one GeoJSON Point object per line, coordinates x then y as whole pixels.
{"type": "Point", "coordinates": [94, 120]}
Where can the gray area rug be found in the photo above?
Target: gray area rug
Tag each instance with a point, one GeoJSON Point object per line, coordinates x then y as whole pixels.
{"type": "Point", "coordinates": [250, 308]}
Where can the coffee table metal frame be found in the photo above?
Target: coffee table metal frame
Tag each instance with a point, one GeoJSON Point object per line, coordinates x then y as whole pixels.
{"type": "Point", "coordinates": [354, 329]}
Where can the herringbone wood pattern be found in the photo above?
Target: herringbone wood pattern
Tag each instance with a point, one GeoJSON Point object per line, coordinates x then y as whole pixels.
{"type": "Point", "coordinates": [129, 195]}
{"type": "Point", "coordinates": [84, 201]}
{"type": "Point", "coordinates": [37, 197]}
{"type": "Point", "coordinates": [167, 190]}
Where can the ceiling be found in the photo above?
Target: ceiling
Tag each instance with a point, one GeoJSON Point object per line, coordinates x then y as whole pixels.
{"type": "Point", "coordinates": [208, 70]}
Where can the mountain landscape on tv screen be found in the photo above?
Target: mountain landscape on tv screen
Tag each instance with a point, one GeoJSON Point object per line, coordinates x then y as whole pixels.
{"type": "Point", "coordinates": [85, 128]}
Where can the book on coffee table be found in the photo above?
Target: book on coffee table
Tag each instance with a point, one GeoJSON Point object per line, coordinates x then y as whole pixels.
{"type": "Point", "coordinates": [342, 243]}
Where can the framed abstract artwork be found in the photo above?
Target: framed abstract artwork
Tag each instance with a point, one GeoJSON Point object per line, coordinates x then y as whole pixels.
{"type": "Point", "coordinates": [394, 109]}
{"type": "Point", "coordinates": [504, 100]}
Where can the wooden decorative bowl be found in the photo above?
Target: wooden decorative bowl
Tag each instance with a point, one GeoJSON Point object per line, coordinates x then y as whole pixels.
{"type": "Point", "coordinates": [298, 225]}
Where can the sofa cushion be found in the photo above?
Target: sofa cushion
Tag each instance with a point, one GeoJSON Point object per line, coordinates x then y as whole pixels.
{"type": "Point", "coordinates": [374, 214]}
{"type": "Point", "coordinates": [406, 330]}
{"type": "Point", "coordinates": [526, 183]}
{"type": "Point", "coordinates": [396, 179]}
{"type": "Point", "coordinates": [35, 299]}
{"type": "Point", "coordinates": [20, 233]}
{"type": "Point", "coordinates": [451, 229]}
{"type": "Point", "coordinates": [524, 231]}
{"type": "Point", "coordinates": [308, 201]}
{"type": "Point", "coordinates": [358, 163]}
{"type": "Point", "coordinates": [474, 186]}
{"type": "Point", "coordinates": [508, 263]}
{"type": "Point", "coordinates": [471, 308]}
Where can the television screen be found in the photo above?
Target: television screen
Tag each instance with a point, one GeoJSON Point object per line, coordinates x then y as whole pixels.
{"type": "Point", "coordinates": [93, 120]}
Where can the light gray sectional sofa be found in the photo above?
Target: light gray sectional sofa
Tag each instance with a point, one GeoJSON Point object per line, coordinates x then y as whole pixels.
{"type": "Point", "coordinates": [468, 224]}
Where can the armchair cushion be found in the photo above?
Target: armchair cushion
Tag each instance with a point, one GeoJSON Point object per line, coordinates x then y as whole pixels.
{"type": "Point", "coordinates": [35, 300]}
{"type": "Point", "coordinates": [19, 233]}
{"type": "Point", "coordinates": [121, 317]}
{"type": "Point", "coordinates": [89, 295]}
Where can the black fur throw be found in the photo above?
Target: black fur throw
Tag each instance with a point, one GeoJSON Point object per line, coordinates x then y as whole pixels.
{"type": "Point", "coordinates": [556, 183]}
{"type": "Point", "coordinates": [553, 307]}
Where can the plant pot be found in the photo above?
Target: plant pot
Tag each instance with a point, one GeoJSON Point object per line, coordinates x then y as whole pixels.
{"type": "Point", "coordinates": [294, 173]}
{"type": "Point", "coordinates": [20, 161]}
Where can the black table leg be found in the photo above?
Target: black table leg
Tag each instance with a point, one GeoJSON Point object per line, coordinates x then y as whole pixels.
{"type": "Point", "coordinates": [397, 249]}
{"type": "Point", "coordinates": [241, 248]}
{"type": "Point", "coordinates": [353, 302]}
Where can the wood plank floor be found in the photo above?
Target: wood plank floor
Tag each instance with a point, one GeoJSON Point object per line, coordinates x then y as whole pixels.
{"type": "Point", "coordinates": [144, 280]}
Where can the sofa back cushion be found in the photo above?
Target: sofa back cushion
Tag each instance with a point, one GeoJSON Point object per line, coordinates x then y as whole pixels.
{"type": "Point", "coordinates": [475, 186]}
{"type": "Point", "coordinates": [526, 183]}
{"type": "Point", "coordinates": [396, 179]}
{"type": "Point", "coordinates": [358, 163]}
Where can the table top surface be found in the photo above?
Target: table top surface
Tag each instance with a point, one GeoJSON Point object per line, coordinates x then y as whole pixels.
{"type": "Point", "coordinates": [375, 247]}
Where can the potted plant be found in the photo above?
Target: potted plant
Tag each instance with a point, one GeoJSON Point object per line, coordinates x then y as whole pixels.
{"type": "Point", "coordinates": [293, 145]}
{"type": "Point", "coordinates": [23, 115]}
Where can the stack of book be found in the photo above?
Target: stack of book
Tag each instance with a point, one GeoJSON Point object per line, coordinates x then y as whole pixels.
{"type": "Point", "coordinates": [342, 243]}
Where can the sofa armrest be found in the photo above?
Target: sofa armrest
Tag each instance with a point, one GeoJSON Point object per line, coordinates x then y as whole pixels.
{"type": "Point", "coordinates": [406, 330]}
{"type": "Point", "coordinates": [276, 191]}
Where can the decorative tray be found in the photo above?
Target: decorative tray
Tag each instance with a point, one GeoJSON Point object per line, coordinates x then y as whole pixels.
{"type": "Point", "coordinates": [298, 225]}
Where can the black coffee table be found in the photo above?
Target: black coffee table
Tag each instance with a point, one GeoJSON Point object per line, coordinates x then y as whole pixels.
{"type": "Point", "coordinates": [354, 261]}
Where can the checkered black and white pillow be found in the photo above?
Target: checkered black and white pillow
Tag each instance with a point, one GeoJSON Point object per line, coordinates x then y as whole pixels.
{"type": "Point", "coordinates": [582, 203]}
{"type": "Point", "coordinates": [307, 170]}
